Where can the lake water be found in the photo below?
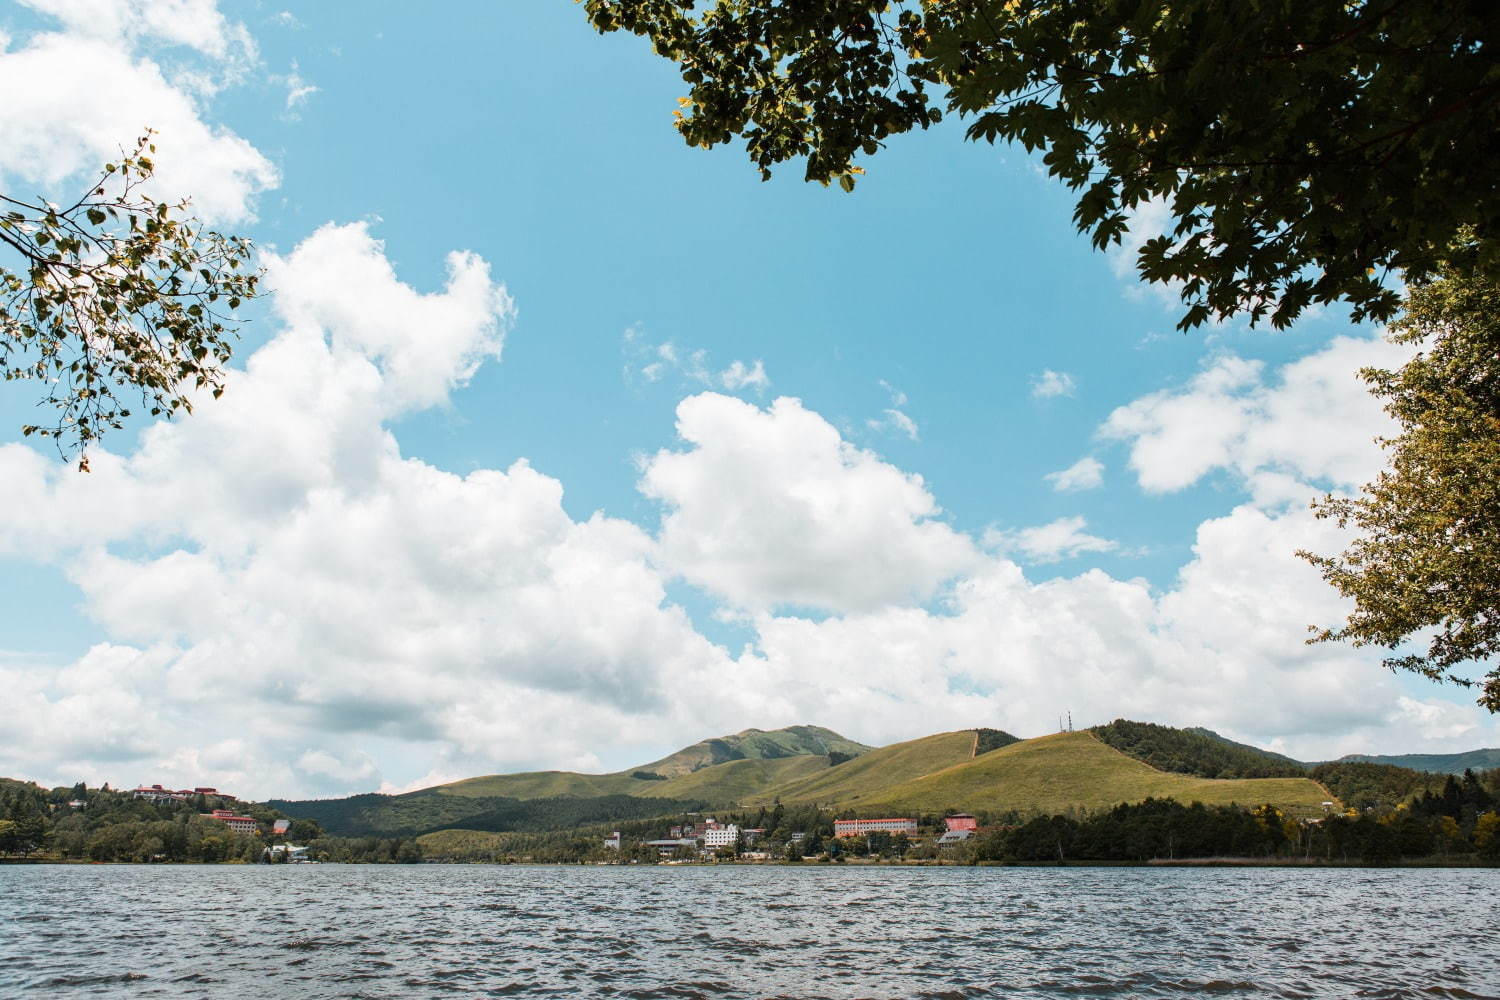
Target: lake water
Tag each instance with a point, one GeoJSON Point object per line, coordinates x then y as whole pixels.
{"type": "Point", "coordinates": [646, 932]}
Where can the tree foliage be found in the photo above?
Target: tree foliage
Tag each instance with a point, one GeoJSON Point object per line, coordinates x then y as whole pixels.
{"type": "Point", "coordinates": [1304, 149]}
{"type": "Point", "coordinates": [114, 296]}
{"type": "Point", "coordinates": [1426, 562]}
{"type": "Point", "coordinates": [1183, 751]}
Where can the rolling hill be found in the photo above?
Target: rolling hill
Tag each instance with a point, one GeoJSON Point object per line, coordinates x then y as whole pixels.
{"type": "Point", "coordinates": [809, 743]}
{"type": "Point", "coordinates": [977, 770]}
{"type": "Point", "coordinates": [872, 773]}
{"type": "Point", "coordinates": [1077, 771]}
{"type": "Point", "coordinates": [1435, 763]}
{"type": "Point", "coordinates": [755, 744]}
{"type": "Point", "coordinates": [1201, 753]}
{"type": "Point", "coordinates": [737, 781]}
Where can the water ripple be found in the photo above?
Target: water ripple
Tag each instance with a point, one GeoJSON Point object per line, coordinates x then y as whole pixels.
{"type": "Point", "coordinates": [356, 932]}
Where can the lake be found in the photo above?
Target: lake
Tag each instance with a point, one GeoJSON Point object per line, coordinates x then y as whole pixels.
{"type": "Point", "coordinates": [647, 932]}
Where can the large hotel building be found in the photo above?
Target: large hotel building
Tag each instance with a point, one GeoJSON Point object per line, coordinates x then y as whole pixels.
{"type": "Point", "coordinates": [859, 827]}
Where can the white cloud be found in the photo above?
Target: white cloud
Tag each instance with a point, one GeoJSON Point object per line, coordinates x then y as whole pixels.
{"type": "Point", "coordinates": [101, 90]}
{"type": "Point", "coordinates": [1146, 221]}
{"type": "Point", "coordinates": [772, 507]}
{"type": "Point", "coordinates": [1314, 420]}
{"type": "Point", "coordinates": [740, 376]}
{"type": "Point", "coordinates": [645, 361]}
{"type": "Point", "coordinates": [294, 606]}
{"type": "Point", "coordinates": [274, 566]}
{"type": "Point", "coordinates": [195, 24]}
{"type": "Point", "coordinates": [298, 90]}
{"type": "Point", "coordinates": [339, 281]}
{"type": "Point", "coordinates": [1222, 648]}
{"type": "Point", "coordinates": [1085, 474]}
{"type": "Point", "coordinates": [1050, 384]}
{"type": "Point", "coordinates": [897, 421]}
{"type": "Point", "coordinates": [1063, 538]}
{"type": "Point", "coordinates": [894, 418]}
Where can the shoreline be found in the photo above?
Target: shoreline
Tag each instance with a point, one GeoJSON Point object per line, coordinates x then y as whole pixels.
{"type": "Point", "coordinates": [1212, 862]}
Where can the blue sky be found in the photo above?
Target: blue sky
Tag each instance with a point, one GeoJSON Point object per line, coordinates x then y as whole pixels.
{"type": "Point", "coordinates": [943, 322]}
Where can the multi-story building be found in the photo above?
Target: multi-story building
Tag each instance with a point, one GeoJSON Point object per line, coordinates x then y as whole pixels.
{"type": "Point", "coordinates": [961, 821]}
{"type": "Point", "coordinates": [239, 824]}
{"type": "Point", "coordinates": [717, 836]}
{"type": "Point", "coordinates": [156, 793]}
{"type": "Point", "coordinates": [612, 842]}
{"type": "Point", "coordinates": [860, 827]}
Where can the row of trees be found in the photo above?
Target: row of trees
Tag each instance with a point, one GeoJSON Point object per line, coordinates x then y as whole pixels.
{"type": "Point", "coordinates": [101, 824]}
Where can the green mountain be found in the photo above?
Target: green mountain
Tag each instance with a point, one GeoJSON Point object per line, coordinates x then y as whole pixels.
{"type": "Point", "coordinates": [872, 773]}
{"type": "Point", "coordinates": [1434, 763]}
{"type": "Point", "coordinates": [755, 744]}
{"type": "Point", "coordinates": [1201, 753]}
{"type": "Point", "coordinates": [972, 769]}
{"type": "Point", "coordinates": [1270, 754]}
{"type": "Point", "coordinates": [656, 779]}
{"type": "Point", "coordinates": [1078, 771]}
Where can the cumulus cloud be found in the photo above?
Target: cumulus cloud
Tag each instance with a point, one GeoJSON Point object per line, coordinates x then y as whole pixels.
{"type": "Point", "coordinates": [288, 596]}
{"type": "Point", "coordinates": [771, 507]}
{"type": "Point", "coordinates": [195, 24]}
{"type": "Point", "coordinates": [741, 376]}
{"type": "Point", "coordinates": [1063, 538]}
{"type": "Point", "coordinates": [1222, 647]}
{"type": "Point", "coordinates": [77, 97]}
{"type": "Point", "coordinates": [1050, 384]}
{"type": "Point", "coordinates": [1314, 419]}
{"type": "Point", "coordinates": [1085, 474]}
{"type": "Point", "coordinates": [275, 566]}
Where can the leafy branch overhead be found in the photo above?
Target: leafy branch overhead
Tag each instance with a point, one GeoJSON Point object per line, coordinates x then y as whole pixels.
{"type": "Point", "coordinates": [1306, 151]}
{"type": "Point", "coordinates": [116, 297]}
{"type": "Point", "coordinates": [1426, 563]}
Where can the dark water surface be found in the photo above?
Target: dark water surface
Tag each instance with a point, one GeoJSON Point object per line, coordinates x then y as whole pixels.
{"type": "Point", "coordinates": [437, 931]}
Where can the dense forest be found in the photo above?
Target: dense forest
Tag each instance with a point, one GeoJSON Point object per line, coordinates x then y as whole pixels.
{"type": "Point", "coordinates": [99, 824]}
{"type": "Point", "coordinates": [1194, 751]}
{"type": "Point", "coordinates": [1204, 754]}
{"type": "Point", "coordinates": [413, 814]}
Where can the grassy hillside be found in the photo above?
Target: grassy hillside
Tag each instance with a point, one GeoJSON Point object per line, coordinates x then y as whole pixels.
{"type": "Point", "coordinates": [738, 780]}
{"type": "Point", "coordinates": [1435, 763]}
{"type": "Point", "coordinates": [755, 744]}
{"type": "Point", "coordinates": [1076, 771]}
{"type": "Point", "coordinates": [877, 770]}
{"type": "Point", "coordinates": [750, 744]}
{"type": "Point", "coordinates": [1197, 752]}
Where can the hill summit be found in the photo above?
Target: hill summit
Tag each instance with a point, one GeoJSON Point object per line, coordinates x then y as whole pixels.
{"type": "Point", "coordinates": [755, 744]}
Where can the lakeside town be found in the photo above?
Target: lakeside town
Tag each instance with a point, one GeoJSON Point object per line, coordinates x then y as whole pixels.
{"type": "Point", "coordinates": [709, 839]}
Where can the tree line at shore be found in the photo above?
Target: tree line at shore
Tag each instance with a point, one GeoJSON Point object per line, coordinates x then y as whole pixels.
{"type": "Point", "coordinates": [1452, 819]}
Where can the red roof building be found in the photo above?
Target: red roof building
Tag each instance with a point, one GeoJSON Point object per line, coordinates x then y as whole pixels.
{"type": "Point", "coordinates": [961, 821]}
{"type": "Point", "coordinates": [239, 824]}
{"type": "Point", "coordinates": [860, 827]}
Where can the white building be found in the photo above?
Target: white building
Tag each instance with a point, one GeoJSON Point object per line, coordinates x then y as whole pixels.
{"type": "Point", "coordinates": [721, 836]}
{"type": "Point", "coordinates": [612, 842]}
